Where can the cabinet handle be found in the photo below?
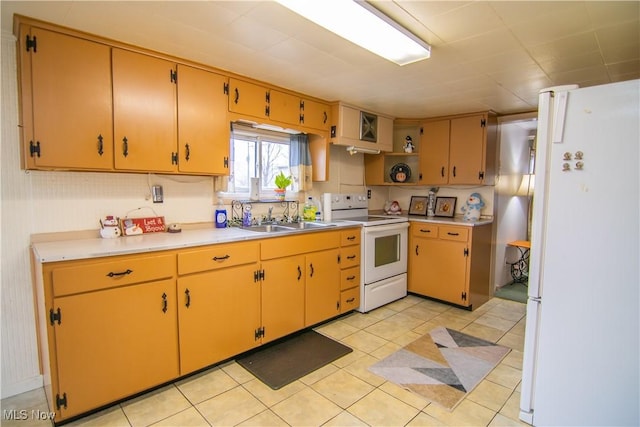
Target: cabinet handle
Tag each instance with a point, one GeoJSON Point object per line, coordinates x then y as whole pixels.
{"type": "Point", "coordinates": [125, 146]}
{"type": "Point", "coordinates": [453, 234]}
{"type": "Point", "coordinates": [299, 273]}
{"type": "Point", "coordinates": [188, 295]}
{"type": "Point", "coordinates": [417, 250]}
{"type": "Point", "coordinates": [351, 278]}
{"type": "Point", "coordinates": [100, 145]}
{"type": "Point", "coordinates": [351, 257]}
{"type": "Point", "coordinates": [187, 152]}
{"type": "Point", "coordinates": [122, 273]}
{"type": "Point", "coordinates": [237, 96]}
{"type": "Point", "coordinates": [164, 302]}
{"type": "Point", "coordinates": [454, 171]}
{"type": "Point", "coordinates": [325, 117]}
{"type": "Point", "coordinates": [351, 238]}
{"type": "Point", "coordinates": [311, 270]}
{"type": "Point", "coordinates": [442, 172]}
{"type": "Point", "coordinates": [422, 230]}
{"type": "Point", "coordinates": [350, 300]}
{"type": "Point", "coordinates": [221, 258]}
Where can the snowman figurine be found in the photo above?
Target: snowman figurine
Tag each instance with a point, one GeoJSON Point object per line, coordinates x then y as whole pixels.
{"type": "Point", "coordinates": [408, 145]}
{"type": "Point", "coordinates": [473, 207]}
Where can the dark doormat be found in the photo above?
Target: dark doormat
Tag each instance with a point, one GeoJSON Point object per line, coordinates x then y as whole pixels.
{"type": "Point", "coordinates": [286, 361]}
{"type": "Point", "coordinates": [513, 292]}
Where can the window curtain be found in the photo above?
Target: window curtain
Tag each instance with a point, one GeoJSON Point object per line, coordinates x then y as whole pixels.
{"type": "Point", "coordinates": [300, 162]}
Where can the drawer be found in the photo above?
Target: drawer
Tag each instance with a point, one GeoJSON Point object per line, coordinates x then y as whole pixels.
{"type": "Point", "coordinates": [349, 300]}
{"type": "Point", "coordinates": [278, 247]}
{"type": "Point", "coordinates": [349, 256]}
{"type": "Point", "coordinates": [459, 234]}
{"type": "Point", "coordinates": [349, 278]}
{"type": "Point", "coordinates": [218, 256]}
{"type": "Point", "coordinates": [94, 276]}
{"type": "Point", "coordinates": [350, 237]}
{"type": "Point", "coordinates": [424, 230]}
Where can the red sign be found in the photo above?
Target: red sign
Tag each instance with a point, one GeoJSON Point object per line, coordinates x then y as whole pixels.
{"type": "Point", "coordinates": [133, 226]}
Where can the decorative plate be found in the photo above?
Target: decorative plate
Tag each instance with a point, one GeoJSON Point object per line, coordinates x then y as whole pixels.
{"type": "Point", "coordinates": [400, 172]}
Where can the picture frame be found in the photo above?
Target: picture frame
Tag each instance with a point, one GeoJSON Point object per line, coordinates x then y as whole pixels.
{"type": "Point", "coordinates": [418, 205]}
{"type": "Point", "coordinates": [368, 127]}
{"type": "Point", "coordinates": [446, 206]}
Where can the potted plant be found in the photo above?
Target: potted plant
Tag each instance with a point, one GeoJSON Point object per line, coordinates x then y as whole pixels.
{"type": "Point", "coordinates": [282, 182]}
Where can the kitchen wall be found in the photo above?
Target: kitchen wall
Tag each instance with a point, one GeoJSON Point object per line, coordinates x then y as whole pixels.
{"type": "Point", "coordinates": [36, 202]}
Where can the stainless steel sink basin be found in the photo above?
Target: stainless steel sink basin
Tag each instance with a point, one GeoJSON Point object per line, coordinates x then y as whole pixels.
{"type": "Point", "coordinates": [267, 228]}
{"type": "Point", "coordinates": [306, 225]}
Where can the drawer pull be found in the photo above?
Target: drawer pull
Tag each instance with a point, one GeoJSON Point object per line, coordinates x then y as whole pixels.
{"type": "Point", "coordinates": [453, 234]}
{"type": "Point", "coordinates": [299, 273]}
{"type": "Point", "coordinates": [417, 250]}
{"type": "Point", "coordinates": [123, 273]}
{"type": "Point", "coordinates": [350, 300]}
{"type": "Point", "coordinates": [164, 302]}
{"type": "Point", "coordinates": [311, 269]}
{"type": "Point", "coordinates": [351, 278]}
{"type": "Point", "coordinates": [188, 295]}
{"type": "Point", "coordinates": [221, 258]}
{"type": "Point", "coordinates": [422, 230]}
{"type": "Point", "coordinates": [351, 257]}
{"type": "Point", "coordinates": [351, 238]}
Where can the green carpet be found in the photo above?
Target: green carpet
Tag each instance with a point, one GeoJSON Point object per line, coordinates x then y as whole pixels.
{"type": "Point", "coordinates": [513, 292]}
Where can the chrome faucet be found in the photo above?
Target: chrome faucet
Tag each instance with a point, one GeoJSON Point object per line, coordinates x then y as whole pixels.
{"type": "Point", "coordinates": [269, 218]}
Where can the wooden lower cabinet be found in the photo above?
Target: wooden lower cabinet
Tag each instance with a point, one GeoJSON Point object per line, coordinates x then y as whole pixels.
{"type": "Point", "coordinates": [322, 286]}
{"type": "Point", "coordinates": [109, 343]}
{"type": "Point", "coordinates": [283, 296]}
{"type": "Point", "coordinates": [450, 263]}
{"type": "Point", "coordinates": [218, 314]}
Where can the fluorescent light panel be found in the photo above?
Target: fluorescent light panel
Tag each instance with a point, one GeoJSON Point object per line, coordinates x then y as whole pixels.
{"type": "Point", "coordinates": [362, 24]}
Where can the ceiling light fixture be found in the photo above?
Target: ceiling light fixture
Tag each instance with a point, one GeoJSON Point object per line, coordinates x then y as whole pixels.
{"type": "Point", "coordinates": [362, 24]}
{"type": "Point", "coordinates": [352, 149]}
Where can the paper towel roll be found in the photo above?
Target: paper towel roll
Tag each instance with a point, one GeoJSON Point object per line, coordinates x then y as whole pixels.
{"type": "Point", "coordinates": [255, 189]}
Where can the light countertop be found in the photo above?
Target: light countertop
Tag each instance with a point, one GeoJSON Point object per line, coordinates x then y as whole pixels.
{"type": "Point", "coordinates": [456, 220]}
{"type": "Point", "coordinates": [65, 250]}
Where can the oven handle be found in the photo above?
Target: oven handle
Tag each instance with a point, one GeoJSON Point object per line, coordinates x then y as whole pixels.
{"type": "Point", "coordinates": [379, 229]}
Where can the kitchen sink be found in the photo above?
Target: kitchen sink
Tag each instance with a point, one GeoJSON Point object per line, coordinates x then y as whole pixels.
{"type": "Point", "coordinates": [306, 225]}
{"type": "Point", "coordinates": [267, 228]}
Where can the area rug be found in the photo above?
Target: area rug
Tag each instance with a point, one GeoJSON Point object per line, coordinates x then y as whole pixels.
{"type": "Point", "coordinates": [285, 361]}
{"type": "Point", "coordinates": [442, 366]}
{"type": "Point", "coordinates": [513, 291]}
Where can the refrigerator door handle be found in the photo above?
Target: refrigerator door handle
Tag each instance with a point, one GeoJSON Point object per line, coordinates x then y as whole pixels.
{"type": "Point", "coordinates": [559, 115]}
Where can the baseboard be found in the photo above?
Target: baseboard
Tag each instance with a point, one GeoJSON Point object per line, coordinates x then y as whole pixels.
{"type": "Point", "coordinates": [23, 386]}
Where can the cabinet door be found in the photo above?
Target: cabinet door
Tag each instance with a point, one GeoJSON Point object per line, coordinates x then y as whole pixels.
{"type": "Point", "coordinates": [72, 113]}
{"type": "Point", "coordinates": [315, 114]}
{"type": "Point", "coordinates": [434, 152]}
{"type": "Point", "coordinates": [418, 276]}
{"type": "Point", "coordinates": [444, 265]}
{"type": "Point", "coordinates": [144, 110]}
{"type": "Point", "coordinates": [466, 150]}
{"type": "Point", "coordinates": [283, 296]}
{"type": "Point", "coordinates": [203, 127]}
{"type": "Point", "coordinates": [114, 343]}
{"type": "Point", "coordinates": [284, 107]}
{"type": "Point", "coordinates": [218, 313]}
{"type": "Point", "coordinates": [248, 99]}
{"type": "Point", "coordinates": [322, 295]}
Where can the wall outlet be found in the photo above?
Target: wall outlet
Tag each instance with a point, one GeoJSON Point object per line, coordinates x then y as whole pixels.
{"type": "Point", "coordinates": [369, 194]}
{"type": "Point", "coordinates": [156, 194]}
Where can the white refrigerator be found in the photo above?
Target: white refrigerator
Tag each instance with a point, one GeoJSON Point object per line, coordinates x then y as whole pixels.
{"type": "Point", "coordinates": [581, 352]}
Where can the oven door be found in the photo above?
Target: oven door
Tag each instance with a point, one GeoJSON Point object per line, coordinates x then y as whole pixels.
{"type": "Point", "coordinates": [384, 251]}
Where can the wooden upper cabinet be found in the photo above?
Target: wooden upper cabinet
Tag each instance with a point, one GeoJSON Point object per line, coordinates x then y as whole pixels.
{"type": "Point", "coordinates": [66, 101]}
{"type": "Point", "coordinates": [466, 150]}
{"type": "Point", "coordinates": [284, 107]}
{"type": "Point", "coordinates": [434, 152]}
{"type": "Point", "coordinates": [248, 99]}
{"type": "Point", "coordinates": [315, 114]}
{"type": "Point", "coordinates": [144, 111]}
{"type": "Point", "coordinates": [203, 125]}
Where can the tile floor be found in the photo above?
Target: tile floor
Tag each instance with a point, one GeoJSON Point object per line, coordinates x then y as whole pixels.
{"type": "Point", "coordinates": [343, 393]}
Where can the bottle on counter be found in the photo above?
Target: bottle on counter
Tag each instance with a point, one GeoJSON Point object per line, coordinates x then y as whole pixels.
{"type": "Point", "coordinates": [221, 215]}
{"type": "Point", "coordinates": [309, 210]}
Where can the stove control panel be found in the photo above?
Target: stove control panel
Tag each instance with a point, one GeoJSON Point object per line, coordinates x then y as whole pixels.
{"type": "Point", "coordinates": [335, 201]}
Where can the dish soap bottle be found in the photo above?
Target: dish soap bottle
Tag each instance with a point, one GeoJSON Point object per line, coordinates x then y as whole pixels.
{"type": "Point", "coordinates": [309, 210]}
{"type": "Point", "coordinates": [221, 215]}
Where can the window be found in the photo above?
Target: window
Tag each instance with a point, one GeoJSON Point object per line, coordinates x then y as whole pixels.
{"type": "Point", "coordinates": [257, 153]}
